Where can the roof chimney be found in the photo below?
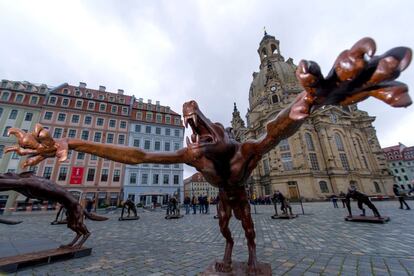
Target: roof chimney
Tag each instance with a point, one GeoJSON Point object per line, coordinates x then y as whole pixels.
{"type": "Point", "coordinates": [149, 101]}
{"type": "Point", "coordinates": [102, 88]}
{"type": "Point", "coordinates": [140, 100]}
{"type": "Point", "coordinates": [157, 103]}
{"type": "Point", "coordinates": [82, 84]}
{"type": "Point", "coordinates": [121, 91]}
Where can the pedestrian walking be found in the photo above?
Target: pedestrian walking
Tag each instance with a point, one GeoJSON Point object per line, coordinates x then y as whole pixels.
{"type": "Point", "coordinates": [187, 202]}
{"type": "Point", "coordinates": [335, 201]}
{"type": "Point", "coordinates": [194, 205]}
{"type": "Point", "coordinates": [400, 196]}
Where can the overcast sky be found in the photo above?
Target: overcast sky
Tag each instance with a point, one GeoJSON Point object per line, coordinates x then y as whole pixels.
{"type": "Point", "coordinates": [174, 51]}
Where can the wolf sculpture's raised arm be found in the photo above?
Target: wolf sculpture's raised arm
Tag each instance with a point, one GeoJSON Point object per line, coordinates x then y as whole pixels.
{"type": "Point", "coordinates": [225, 163]}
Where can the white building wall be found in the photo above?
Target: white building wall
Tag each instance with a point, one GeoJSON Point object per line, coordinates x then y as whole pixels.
{"type": "Point", "coordinates": [139, 188]}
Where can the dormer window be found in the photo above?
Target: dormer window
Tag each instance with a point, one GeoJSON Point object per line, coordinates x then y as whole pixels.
{"type": "Point", "coordinates": [77, 92]}
{"type": "Point", "coordinates": [101, 97]}
{"type": "Point", "coordinates": [89, 95]}
{"type": "Point", "coordinates": [65, 91]}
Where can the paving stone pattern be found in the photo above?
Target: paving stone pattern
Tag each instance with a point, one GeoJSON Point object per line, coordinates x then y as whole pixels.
{"type": "Point", "coordinates": [317, 243]}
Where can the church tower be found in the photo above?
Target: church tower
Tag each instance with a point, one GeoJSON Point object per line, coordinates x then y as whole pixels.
{"type": "Point", "coordinates": [334, 149]}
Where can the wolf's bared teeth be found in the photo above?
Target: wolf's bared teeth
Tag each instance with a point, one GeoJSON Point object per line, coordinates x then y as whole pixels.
{"type": "Point", "coordinates": [195, 120]}
{"type": "Point", "coordinates": [186, 121]}
{"type": "Point", "coordinates": [197, 138]}
{"type": "Point", "coordinates": [187, 140]}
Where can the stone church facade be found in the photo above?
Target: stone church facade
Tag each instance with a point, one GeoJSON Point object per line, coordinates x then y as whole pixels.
{"type": "Point", "coordinates": [334, 149]}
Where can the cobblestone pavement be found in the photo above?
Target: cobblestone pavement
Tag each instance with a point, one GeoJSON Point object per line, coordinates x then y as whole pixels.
{"type": "Point", "coordinates": [318, 243]}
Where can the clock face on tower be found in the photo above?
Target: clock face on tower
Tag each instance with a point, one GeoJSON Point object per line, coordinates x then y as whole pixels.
{"type": "Point", "coordinates": [273, 88]}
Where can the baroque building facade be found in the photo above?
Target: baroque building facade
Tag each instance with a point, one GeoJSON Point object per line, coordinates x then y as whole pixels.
{"type": "Point", "coordinates": [196, 185]}
{"type": "Point", "coordinates": [89, 114]}
{"type": "Point", "coordinates": [400, 160]}
{"type": "Point", "coordinates": [334, 149]}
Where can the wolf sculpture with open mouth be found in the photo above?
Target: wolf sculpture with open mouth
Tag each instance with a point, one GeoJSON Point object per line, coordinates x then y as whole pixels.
{"type": "Point", "coordinates": [226, 163]}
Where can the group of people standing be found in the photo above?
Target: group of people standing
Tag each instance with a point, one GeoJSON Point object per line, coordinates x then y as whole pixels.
{"type": "Point", "coordinates": [202, 202]}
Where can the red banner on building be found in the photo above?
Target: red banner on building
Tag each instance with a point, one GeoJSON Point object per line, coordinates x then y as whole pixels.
{"type": "Point", "coordinates": [76, 175]}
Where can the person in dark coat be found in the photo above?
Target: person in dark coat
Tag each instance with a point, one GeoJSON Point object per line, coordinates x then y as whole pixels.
{"type": "Point", "coordinates": [194, 205]}
{"type": "Point", "coordinates": [335, 201]}
{"type": "Point", "coordinates": [400, 196]}
{"type": "Point", "coordinates": [342, 196]}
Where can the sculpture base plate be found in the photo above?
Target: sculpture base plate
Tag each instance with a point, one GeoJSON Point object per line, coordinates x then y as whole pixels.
{"type": "Point", "coordinates": [128, 218]}
{"type": "Point", "coordinates": [173, 216]}
{"type": "Point", "coordinates": [369, 219]}
{"type": "Point", "coordinates": [10, 222]}
{"type": "Point", "coordinates": [59, 222]}
{"type": "Point", "coordinates": [14, 263]}
{"type": "Point", "coordinates": [286, 216]}
{"type": "Point", "coordinates": [238, 268]}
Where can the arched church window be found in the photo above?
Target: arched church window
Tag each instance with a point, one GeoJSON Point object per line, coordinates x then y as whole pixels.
{"type": "Point", "coordinates": [338, 142]}
{"type": "Point", "coordinates": [377, 187]}
{"type": "Point", "coordinates": [309, 142]}
{"type": "Point", "coordinates": [274, 49]}
{"type": "Point", "coordinates": [264, 52]}
{"type": "Point", "coordinates": [275, 98]}
{"type": "Point", "coordinates": [323, 186]}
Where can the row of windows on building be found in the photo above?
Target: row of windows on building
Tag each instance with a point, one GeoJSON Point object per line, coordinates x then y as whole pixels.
{"type": "Point", "coordinates": [157, 130]}
{"type": "Point", "coordinates": [14, 112]}
{"type": "Point", "coordinates": [155, 145]}
{"type": "Point", "coordinates": [156, 178]}
{"type": "Point", "coordinates": [65, 102]}
{"type": "Point", "coordinates": [63, 174]}
{"type": "Point", "coordinates": [286, 156]}
{"type": "Point", "coordinates": [101, 96]}
{"type": "Point", "coordinates": [5, 96]}
{"type": "Point", "coordinates": [79, 104]}
{"type": "Point", "coordinates": [88, 120]}
{"type": "Point", "coordinates": [149, 116]}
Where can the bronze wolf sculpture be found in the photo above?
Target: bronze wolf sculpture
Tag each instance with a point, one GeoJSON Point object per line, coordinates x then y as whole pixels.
{"type": "Point", "coordinates": [226, 163]}
{"type": "Point", "coordinates": [33, 186]}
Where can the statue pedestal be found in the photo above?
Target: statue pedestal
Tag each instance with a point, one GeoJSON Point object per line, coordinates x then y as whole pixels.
{"type": "Point", "coordinates": [128, 218]}
{"type": "Point", "coordinates": [369, 219]}
{"type": "Point", "coordinates": [173, 216]}
{"type": "Point", "coordinates": [286, 216]}
{"type": "Point", "coordinates": [10, 222]}
{"type": "Point", "coordinates": [15, 255]}
{"type": "Point", "coordinates": [238, 269]}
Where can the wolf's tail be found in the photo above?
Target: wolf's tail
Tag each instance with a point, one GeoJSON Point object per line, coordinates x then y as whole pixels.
{"type": "Point", "coordinates": [93, 216]}
{"type": "Point", "coordinates": [4, 221]}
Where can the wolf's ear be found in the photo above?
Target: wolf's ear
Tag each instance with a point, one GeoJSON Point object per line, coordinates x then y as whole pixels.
{"type": "Point", "coordinates": [27, 174]}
